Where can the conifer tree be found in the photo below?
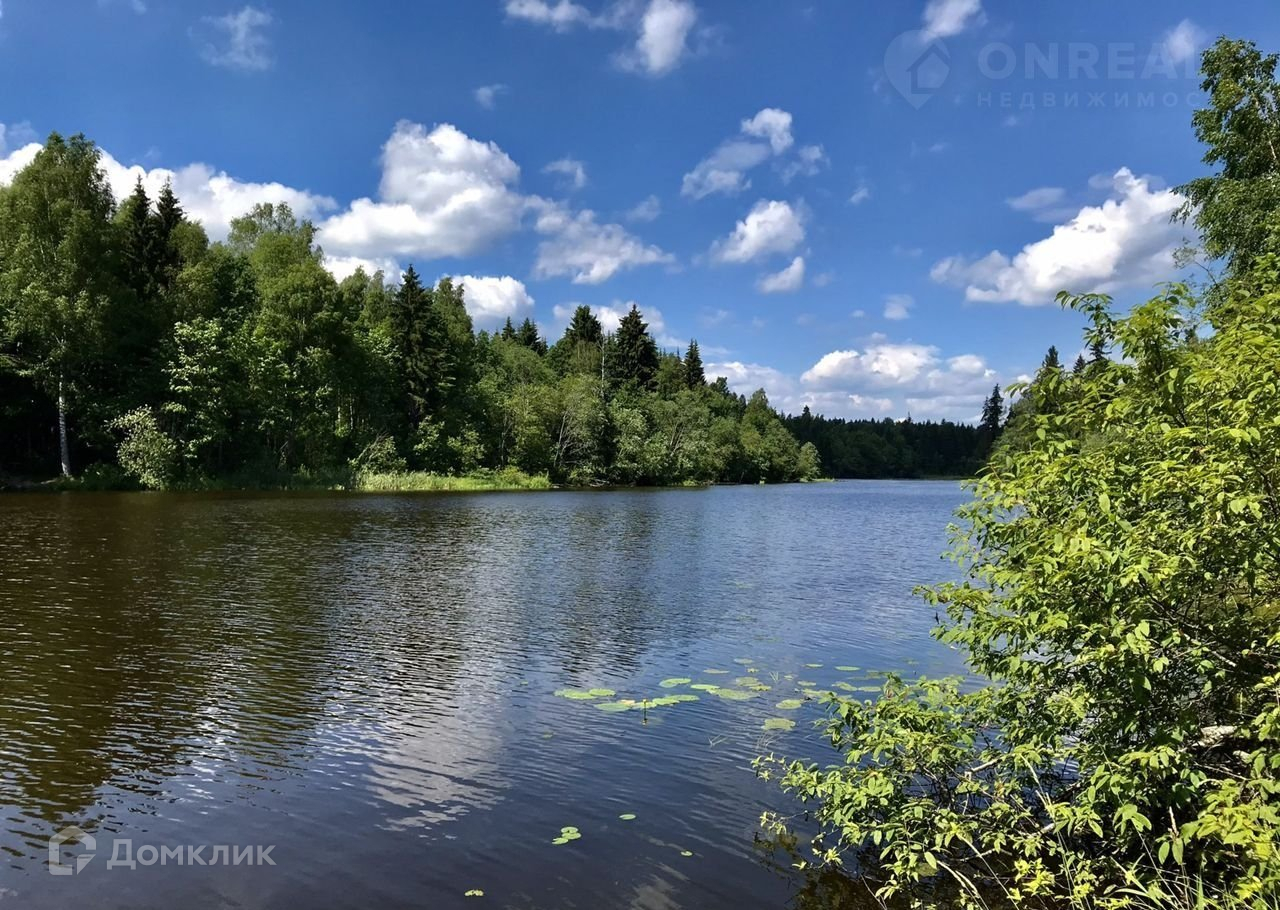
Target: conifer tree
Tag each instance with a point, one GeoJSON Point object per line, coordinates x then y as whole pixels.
{"type": "Point", "coordinates": [529, 336]}
{"type": "Point", "coordinates": [694, 375]}
{"type": "Point", "coordinates": [993, 414]}
{"type": "Point", "coordinates": [508, 331]}
{"type": "Point", "coordinates": [635, 352]}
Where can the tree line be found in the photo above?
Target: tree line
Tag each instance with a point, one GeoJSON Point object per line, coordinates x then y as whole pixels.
{"type": "Point", "coordinates": [131, 344]}
{"type": "Point", "coordinates": [870, 449]}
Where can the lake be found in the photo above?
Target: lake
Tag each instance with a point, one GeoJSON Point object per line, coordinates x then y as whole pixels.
{"type": "Point", "coordinates": [366, 685]}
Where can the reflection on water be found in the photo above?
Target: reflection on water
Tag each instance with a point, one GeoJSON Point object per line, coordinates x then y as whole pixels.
{"type": "Point", "coordinates": [365, 683]}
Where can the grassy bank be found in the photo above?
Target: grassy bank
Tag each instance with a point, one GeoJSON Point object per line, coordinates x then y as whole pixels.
{"type": "Point", "coordinates": [424, 482]}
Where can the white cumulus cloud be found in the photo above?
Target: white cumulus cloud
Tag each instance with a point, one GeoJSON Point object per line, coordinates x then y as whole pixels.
{"type": "Point", "coordinates": [945, 18]}
{"type": "Point", "coordinates": [573, 171]}
{"type": "Point", "coordinates": [662, 28]}
{"type": "Point", "coordinates": [581, 248]}
{"type": "Point", "coordinates": [1129, 240]}
{"type": "Point", "coordinates": [786, 281]}
{"type": "Point", "coordinates": [761, 138]}
{"type": "Point", "coordinates": [770, 227]}
{"type": "Point", "coordinates": [1183, 42]}
{"type": "Point", "coordinates": [898, 307]}
{"type": "Point", "coordinates": [491, 301]}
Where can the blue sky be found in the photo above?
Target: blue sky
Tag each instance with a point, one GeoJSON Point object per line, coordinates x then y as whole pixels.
{"type": "Point", "coordinates": [780, 180]}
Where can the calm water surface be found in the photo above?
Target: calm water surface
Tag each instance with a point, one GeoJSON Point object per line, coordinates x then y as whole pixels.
{"type": "Point", "coordinates": [366, 683]}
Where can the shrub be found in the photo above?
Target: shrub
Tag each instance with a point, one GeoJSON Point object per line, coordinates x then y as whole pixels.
{"type": "Point", "coordinates": [1119, 606]}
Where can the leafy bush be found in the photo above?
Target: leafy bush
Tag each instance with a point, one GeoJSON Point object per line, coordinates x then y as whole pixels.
{"type": "Point", "coordinates": [146, 452]}
{"type": "Point", "coordinates": [1120, 602]}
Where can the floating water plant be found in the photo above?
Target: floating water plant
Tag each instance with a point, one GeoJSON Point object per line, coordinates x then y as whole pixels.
{"type": "Point", "coordinates": [790, 704]}
{"type": "Point", "coordinates": [567, 834]}
{"type": "Point", "coordinates": [615, 707]}
{"type": "Point", "coordinates": [474, 892]}
{"type": "Point", "coordinates": [734, 694]}
{"type": "Point", "coordinates": [778, 723]}
{"type": "Point", "coordinates": [705, 687]}
{"type": "Point", "coordinates": [805, 684]}
{"type": "Point", "coordinates": [675, 681]}
{"type": "Point", "coordinates": [584, 694]}
{"type": "Point", "coordinates": [848, 669]}
{"type": "Point", "coordinates": [628, 816]}
{"type": "Point", "coordinates": [717, 672]}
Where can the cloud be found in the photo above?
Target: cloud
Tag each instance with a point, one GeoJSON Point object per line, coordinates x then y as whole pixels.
{"type": "Point", "coordinates": [492, 301]}
{"type": "Point", "coordinates": [1036, 199]}
{"type": "Point", "coordinates": [487, 95]}
{"type": "Point", "coordinates": [860, 195]}
{"type": "Point", "coordinates": [578, 246]}
{"type": "Point", "coordinates": [648, 210]}
{"type": "Point", "coordinates": [1127, 241]}
{"type": "Point", "coordinates": [897, 307]}
{"type": "Point", "coordinates": [664, 37]}
{"type": "Point", "coordinates": [237, 41]}
{"type": "Point", "coordinates": [1183, 42]}
{"type": "Point", "coordinates": [946, 18]}
{"type": "Point", "coordinates": [771, 124]}
{"type": "Point", "coordinates": [809, 162]}
{"type": "Point", "coordinates": [771, 227]}
{"type": "Point", "coordinates": [15, 136]}
{"type": "Point", "coordinates": [662, 27]}
{"type": "Point", "coordinates": [760, 138]}
{"type": "Point", "coordinates": [562, 15]}
{"type": "Point", "coordinates": [442, 194]}
{"type": "Point", "coordinates": [574, 172]}
{"type": "Point", "coordinates": [787, 281]}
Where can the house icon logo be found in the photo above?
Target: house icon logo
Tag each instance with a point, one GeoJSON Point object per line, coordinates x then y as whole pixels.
{"type": "Point", "coordinates": [917, 67]}
{"type": "Point", "coordinates": [71, 835]}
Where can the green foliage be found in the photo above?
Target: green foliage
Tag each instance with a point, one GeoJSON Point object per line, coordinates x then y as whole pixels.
{"type": "Point", "coordinates": [892, 448]}
{"type": "Point", "coordinates": [1120, 600]}
{"type": "Point", "coordinates": [1235, 208]}
{"type": "Point", "coordinates": [245, 363]}
{"type": "Point", "coordinates": [146, 453]}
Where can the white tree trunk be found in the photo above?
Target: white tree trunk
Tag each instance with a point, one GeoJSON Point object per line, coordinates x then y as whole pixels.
{"type": "Point", "coordinates": [64, 448]}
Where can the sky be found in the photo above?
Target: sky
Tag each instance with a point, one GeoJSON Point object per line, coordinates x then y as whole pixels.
{"type": "Point", "coordinates": [864, 208]}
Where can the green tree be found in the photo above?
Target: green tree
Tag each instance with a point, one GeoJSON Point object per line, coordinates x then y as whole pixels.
{"type": "Point", "coordinates": [634, 353]}
{"type": "Point", "coordinates": [694, 375]}
{"type": "Point", "coordinates": [1235, 208]}
{"type": "Point", "coordinates": [57, 268]}
{"type": "Point", "coordinates": [1119, 603]}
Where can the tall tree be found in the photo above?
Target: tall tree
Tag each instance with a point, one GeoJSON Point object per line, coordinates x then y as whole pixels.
{"type": "Point", "coordinates": [993, 414]}
{"type": "Point", "coordinates": [1235, 208]}
{"type": "Point", "coordinates": [1051, 360]}
{"type": "Point", "coordinates": [635, 351]}
{"type": "Point", "coordinates": [416, 335]}
{"type": "Point", "coordinates": [56, 269]}
{"type": "Point", "coordinates": [529, 336]}
{"type": "Point", "coordinates": [694, 375]}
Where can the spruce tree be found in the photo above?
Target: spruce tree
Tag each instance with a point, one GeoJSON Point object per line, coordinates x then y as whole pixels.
{"type": "Point", "coordinates": [140, 242]}
{"type": "Point", "coordinates": [416, 336]}
{"type": "Point", "coordinates": [584, 328]}
{"type": "Point", "coordinates": [1080, 366]}
{"type": "Point", "coordinates": [508, 331]}
{"type": "Point", "coordinates": [529, 336]}
{"type": "Point", "coordinates": [694, 375]}
{"type": "Point", "coordinates": [1051, 360]}
{"type": "Point", "coordinates": [993, 414]}
{"type": "Point", "coordinates": [635, 352]}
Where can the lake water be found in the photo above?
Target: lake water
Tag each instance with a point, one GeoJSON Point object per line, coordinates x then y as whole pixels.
{"type": "Point", "coordinates": [366, 685]}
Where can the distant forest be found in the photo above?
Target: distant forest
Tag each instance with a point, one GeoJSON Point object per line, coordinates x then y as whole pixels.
{"type": "Point", "coordinates": [866, 449]}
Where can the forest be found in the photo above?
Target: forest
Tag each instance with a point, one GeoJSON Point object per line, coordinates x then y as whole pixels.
{"type": "Point", "coordinates": [134, 352]}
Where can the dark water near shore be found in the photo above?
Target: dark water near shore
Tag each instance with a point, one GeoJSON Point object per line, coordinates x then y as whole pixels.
{"type": "Point", "coordinates": [366, 683]}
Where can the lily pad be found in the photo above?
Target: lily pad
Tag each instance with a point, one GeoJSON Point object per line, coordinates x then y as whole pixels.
{"type": "Point", "coordinates": [628, 816]}
{"type": "Point", "coordinates": [584, 694]}
{"type": "Point", "coordinates": [847, 687]}
{"type": "Point", "coordinates": [717, 672]}
{"type": "Point", "coordinates": [614, 707]}
{"type": "Point", "coordinates": [814, 666]}
{"type": "Point", "coordinates": [746, 681]}
{"type": "Point", "coordinates": [745, 661]}
{"type": "Point", "coordinates": [567, 833]}
{"type": "Point", "coordinates": [848, 669]}
{"type": "Point", "coordinates": [675, 681]}
{"type": "Point", "coordinates": [474, 892]}
{"type": "Point", "coordinates": [813, 693]}
{"type": "Point", "coordinates": [686, 853]}
{"type": "Point", "coordinates": [806, 684]}
{"type": "Point", "coordinates": [790, 704]}
{"type": "Point", "coordinates": [778, 723]}
{"type": "Point", "coordinates": [667, 700]}
{"type": "Point", "coordinates": [735, 694]}
{"type": "Point", "coordinates": [705, 687]}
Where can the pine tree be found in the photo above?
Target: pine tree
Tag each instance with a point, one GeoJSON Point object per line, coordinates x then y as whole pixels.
{"type": "Point", "coordinates": [584, 328]}
{"type": "Point", "coordinates": [1051, 360]}
{"type": "Point", "coordinates": [140, 242]}
{"type": "Point", "coordinates": [635, 352]}
{"type": "Point", "coordinates": [993, 414]}
{"type": "Point", "coordinates": [416, 334]}
{"type": "Point", "coordinates": [529, 336]}
{"type": "Point", "coordinates": [508, 331]}
{"type": "Point", "coordinates": [1080, 366]}
{"type": "Point", "coordinates": [694, 375]}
